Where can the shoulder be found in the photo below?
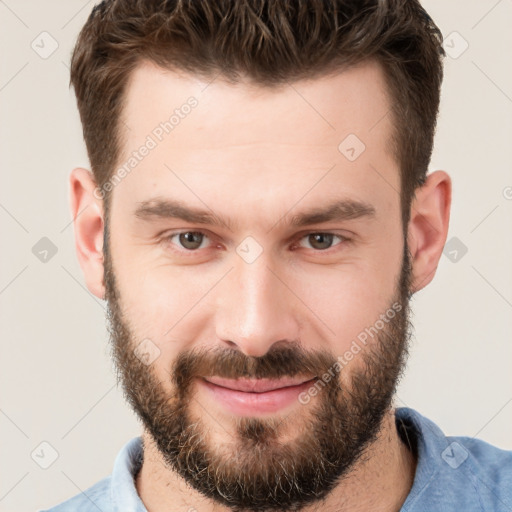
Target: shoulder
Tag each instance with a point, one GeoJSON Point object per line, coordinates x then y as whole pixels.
{"type": "Point", "coordinates": [489, 464]}
{"type": "Point", "coordinates": [96, 497]}
{"type": "Point", "coordinates": [116, 492]}
{"type": "Point", "coordinates": [479, 471]}
{"type": "Point", "coordinates": [456, 472]}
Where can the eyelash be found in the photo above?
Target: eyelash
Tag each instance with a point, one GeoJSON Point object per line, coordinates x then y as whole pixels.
{"type": "Point", "coordinates": [343, 240]}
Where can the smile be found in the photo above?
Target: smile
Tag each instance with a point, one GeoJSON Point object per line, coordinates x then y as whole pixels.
{"type": "Point", "coordinates": [249, 397]}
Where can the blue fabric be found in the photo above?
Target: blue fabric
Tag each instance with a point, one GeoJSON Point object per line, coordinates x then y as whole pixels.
{"type": "Point", "coordinates": [452, 474]}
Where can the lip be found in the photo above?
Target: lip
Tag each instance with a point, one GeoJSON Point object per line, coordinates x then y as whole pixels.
{"type": "Point", "coordinates": [249, 397]}
{"type": "Point", "coordinates": [256, 385]}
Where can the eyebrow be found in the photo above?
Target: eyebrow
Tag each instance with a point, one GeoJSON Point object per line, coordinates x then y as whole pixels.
{"type": "Point", "coordinates": [340, 210]}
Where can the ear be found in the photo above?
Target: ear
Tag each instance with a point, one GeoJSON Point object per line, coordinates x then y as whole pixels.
{"type": "Point", "coordinates": [87, 212]}
{"type": "Point", "coordinates": [428, 227]}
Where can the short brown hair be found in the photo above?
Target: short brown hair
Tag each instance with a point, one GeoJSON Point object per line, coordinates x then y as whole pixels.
{"type": "Point", "coordinates": [270, 42]}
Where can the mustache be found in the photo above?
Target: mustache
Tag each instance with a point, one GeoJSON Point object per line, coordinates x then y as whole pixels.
{"type": "Point", "coordinates": [279, 362]}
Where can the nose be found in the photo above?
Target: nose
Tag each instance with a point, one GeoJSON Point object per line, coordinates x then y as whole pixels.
{"type": "Point", "coordinates": [255, 308]}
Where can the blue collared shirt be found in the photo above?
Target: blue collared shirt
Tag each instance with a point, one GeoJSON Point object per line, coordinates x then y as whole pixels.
{"type": "Point", "coordinates": [452, 474]}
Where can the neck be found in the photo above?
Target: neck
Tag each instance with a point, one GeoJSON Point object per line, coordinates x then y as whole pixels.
{"type": "Point", "coordinates": [380, 481]}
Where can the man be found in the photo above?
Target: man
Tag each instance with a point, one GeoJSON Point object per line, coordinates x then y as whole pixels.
{"type": "Point", "coordinates": [258, 217]}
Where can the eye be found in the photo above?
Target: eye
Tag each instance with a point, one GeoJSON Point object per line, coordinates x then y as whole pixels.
{"type": "Point", "coordinates": [192, 241]}
{"type": "Point", "coordinates": [322, 241]}
{"type": "Point", "coordinates": [189, 240]}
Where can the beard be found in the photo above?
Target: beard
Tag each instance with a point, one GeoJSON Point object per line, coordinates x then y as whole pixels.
{"type": "Point", "coordinates": [256, 468]}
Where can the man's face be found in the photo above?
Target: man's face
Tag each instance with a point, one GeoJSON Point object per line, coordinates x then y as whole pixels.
{"type": "Point", "coordinates": [258, 295]}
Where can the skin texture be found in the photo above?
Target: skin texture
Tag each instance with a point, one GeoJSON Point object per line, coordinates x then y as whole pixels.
{"type": "Point", "coordinates": [258, 157]}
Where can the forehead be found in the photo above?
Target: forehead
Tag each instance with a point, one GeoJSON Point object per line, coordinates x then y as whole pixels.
{"type": "Point", "coordinates": [341, 102]}
{"type": "Point", "coordinates": [214, 136]}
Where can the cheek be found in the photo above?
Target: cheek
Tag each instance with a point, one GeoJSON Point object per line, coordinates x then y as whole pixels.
{"type": "Point", "coordinates": [350, 298]}
{"type": "Point", "coordinates": [341, 303]}
{"type": "Point", "coordinates": [153, 307]}
{"type": "Point", "coordinates": [171, 306]}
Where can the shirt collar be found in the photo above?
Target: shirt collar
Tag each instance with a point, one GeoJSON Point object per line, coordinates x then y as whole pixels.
{"type": "Point", "coordinates": [429, 442]}
{"type": "Point", "coordinates": [123, 493]}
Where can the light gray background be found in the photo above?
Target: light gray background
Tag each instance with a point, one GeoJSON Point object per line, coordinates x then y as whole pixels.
{"type": "Point", "coordinates": [56, 380]}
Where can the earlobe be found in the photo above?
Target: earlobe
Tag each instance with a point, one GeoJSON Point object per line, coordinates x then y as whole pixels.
{"type": "Point", "coordinates": [87, 214]}
{"type": "Point", "coordinates": [428, 227]}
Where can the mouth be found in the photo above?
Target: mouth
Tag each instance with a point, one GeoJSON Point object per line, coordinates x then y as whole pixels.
{"type": "Point", "coordinates": [257, 385]}
{"type": "Point", "coordinates": [251, 397]}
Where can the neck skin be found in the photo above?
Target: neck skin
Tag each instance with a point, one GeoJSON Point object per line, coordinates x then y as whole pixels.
{"type": "Point", "coordinates": [379, 482]}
